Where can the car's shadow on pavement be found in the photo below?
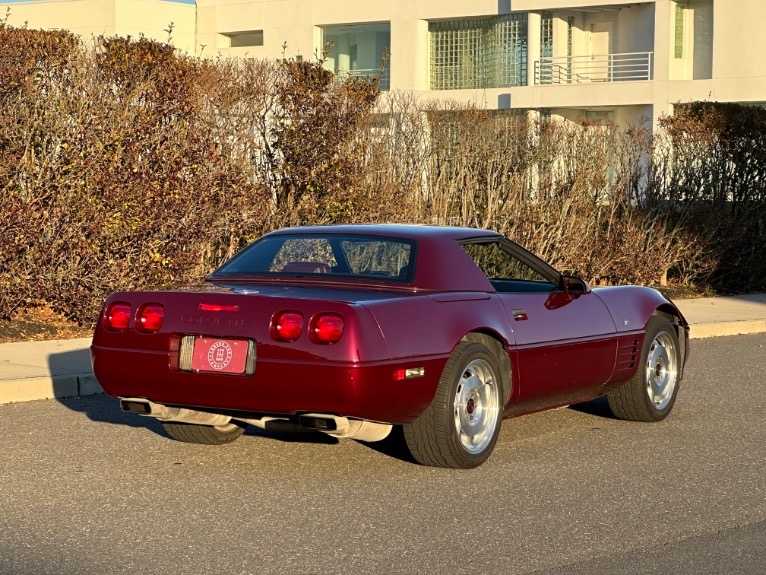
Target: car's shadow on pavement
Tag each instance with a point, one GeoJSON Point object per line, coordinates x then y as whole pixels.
{"type": "Point", "coordinates": [292, 436]}
{"type": "Point", "coordinates": [106, 409]}
{"type": "Point", "coordinates": [394, 446]}
{"type": "Point", "coordinates": [598, 407]}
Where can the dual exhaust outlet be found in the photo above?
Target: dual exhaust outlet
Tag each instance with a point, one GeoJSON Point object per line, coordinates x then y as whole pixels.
{"type": "Point", "coordinates": [334, 425]}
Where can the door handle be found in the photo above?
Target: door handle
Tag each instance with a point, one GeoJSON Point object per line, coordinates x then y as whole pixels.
{"type": "Point", "coordinates": [519, 314]}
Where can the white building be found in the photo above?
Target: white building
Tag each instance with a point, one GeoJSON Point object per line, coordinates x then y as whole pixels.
{"type": "Point", "coordinates": [629, 59]}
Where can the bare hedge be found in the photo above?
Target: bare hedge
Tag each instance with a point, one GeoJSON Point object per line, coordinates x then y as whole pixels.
{"type": "Point", "coordinates": [708, 174]}
{"type": "Point", "coordinates": [128, 166]}
{"type": "Point", "coordinates": [109, 178]}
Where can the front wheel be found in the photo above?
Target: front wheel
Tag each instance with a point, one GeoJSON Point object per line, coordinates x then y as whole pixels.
{"type": "Point", "coordinates": [460, 427]}
{"type": "Point", "coordinates": [205, 434]}
{"type": "Point", "coordinates": [651, 393]}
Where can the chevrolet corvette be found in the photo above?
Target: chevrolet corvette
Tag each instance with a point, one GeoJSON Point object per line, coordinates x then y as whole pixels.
{"type": "Point", "coordinates": [351, 330]}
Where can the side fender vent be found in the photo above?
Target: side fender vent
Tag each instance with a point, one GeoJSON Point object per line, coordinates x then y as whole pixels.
{"type": "Point", "coordinates": [628, 353]}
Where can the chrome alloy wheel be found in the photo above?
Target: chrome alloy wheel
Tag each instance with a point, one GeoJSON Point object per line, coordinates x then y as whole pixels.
{"type": "Point", "coordinates": [661, 370]}
{"type": "Point", "coordinates": [477, 406]}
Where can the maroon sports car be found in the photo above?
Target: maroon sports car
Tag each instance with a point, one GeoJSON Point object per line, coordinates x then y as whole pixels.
{"type": "Point", "coordinates": [350, 330]}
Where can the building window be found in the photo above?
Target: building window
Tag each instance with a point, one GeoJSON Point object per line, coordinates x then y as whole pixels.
{"type": "Point", "coordinates": [487, 53]}
{"type": "Point", "coordinates": [570, 45]}
{"type": "Point", "coordinates": [359, 51]}
{"type": "Point", "coordinates": [546, 47]}
{"type": "Point", "coordinates": [599, 116]}
{"type": "Point", "coordinates": [546, 35]}
{"type": "Point", "coordinates": [246, 38]}
{"type": "Point", "coordinates": [679, 44]}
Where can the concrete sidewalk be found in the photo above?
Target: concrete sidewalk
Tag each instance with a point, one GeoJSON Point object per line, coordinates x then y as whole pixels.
{"type": "Point", "coordinates": [32, 370]}
{"type": "Point", "coordinates": [61, 368]}
{"type": "Point", "coordinates": [718, 316]}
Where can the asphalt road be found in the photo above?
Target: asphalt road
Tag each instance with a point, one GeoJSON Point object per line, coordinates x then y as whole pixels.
{"type": "Point", "coordinates": [87, 489]}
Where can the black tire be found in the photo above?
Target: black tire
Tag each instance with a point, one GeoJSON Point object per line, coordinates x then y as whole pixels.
{"type": "Point", "coordinates": [651, 393]}
{"type": "Point", "coordinates": [205, 434]}
{"type": "Point", "coordinates": [460, 427]}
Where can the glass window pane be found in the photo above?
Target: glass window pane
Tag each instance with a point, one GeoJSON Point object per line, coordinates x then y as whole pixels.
{"type": "Point", "coordinates": [377, 258]}
{"type": "Point", "coordinates": [299, 254]}
{"type": "Point", "coordinates": [504, 271]}
{"type": "Point", "coordinates": [332, 255]}
{"type": "Point", "coordinates": [679, 29]}
{"type": "Point", "coordinates": [486, 53]}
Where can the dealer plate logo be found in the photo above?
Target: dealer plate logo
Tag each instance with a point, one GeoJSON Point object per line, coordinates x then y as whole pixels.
{"type": "Point", "coordinates": [219, 355]}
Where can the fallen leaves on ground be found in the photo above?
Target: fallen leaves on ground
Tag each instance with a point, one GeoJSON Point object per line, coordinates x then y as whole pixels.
{"type": "Point", "coordinates": [41, 323]}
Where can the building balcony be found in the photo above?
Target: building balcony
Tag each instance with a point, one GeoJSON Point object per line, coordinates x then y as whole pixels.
{"type": "Point", "coordinates": [620, 67]}
{"type": "Point", "coordinates": [384, 76]}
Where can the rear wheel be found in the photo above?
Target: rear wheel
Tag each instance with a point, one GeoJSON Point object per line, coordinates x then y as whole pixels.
{"type": "Point", "coordinates": [460, 427]}
{"type": "Point", "coordinates": [651, 393]}
{"type": "Point", "coordinates": [205, 434]}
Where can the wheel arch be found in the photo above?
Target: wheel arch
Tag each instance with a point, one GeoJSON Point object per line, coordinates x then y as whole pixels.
{"type": "Point", "coordinates": [494, 341]}
{"type": "Point", "coordinates": [671, 313]}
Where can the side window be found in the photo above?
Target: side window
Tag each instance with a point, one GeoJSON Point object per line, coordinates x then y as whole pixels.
{"type": "Point", "coordinates": [506, 272]}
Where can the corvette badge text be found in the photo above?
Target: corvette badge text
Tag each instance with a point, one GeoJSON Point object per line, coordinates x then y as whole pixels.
{"type": "Point", "coordinates": [225, 321]}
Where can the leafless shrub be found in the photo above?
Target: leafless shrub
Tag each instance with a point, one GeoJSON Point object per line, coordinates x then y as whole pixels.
{"type": "Point", "coordinates": [709, 175]}
{"type": "Point", "coordinates": [109, 181]}
{"type": "Point", "coordinates": [571, 192]}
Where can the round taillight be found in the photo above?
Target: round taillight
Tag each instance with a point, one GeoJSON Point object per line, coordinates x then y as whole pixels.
{"type": "Point", "coordinates": [287, 326]}
{"type": "Point", "coordinates": [150, 318]}
{"type": "Point", "coordinates": [117, 316]}
{"type": "Point", "coordinates": [326, 328]}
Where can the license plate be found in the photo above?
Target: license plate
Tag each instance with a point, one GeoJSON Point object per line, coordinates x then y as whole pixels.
{"type": "Point", "coordinates": [219, 355]}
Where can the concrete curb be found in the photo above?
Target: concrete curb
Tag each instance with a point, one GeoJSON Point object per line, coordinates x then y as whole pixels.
{"type": "Point", "coordinates": [34, 388]}
{"type": "Point", "coordinates": [705, 330]}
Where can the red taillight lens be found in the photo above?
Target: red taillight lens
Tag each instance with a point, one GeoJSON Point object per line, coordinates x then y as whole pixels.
{"type": "Point", "coordinates": [287, 326]}
{"type": "Point", "coordinates": [326, 328]}
{"type": "Point", "coordinates": [150, 317]}
{"type": "Point", "coordinates": [117, 316]}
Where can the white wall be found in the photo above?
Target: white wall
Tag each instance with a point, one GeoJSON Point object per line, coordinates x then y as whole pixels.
{"type": "Point", "coordinates": [153, 17]}
{"type": "Point", "coordinates": [83, 17]}
{"type": "Point", "coordinates": [89, 18]}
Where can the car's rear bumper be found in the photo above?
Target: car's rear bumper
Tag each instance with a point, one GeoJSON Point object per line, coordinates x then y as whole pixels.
{"type": "Point", "coordinates": [367, 391]}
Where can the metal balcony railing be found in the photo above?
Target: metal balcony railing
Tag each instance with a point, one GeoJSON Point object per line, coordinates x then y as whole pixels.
{"type": "Point", "coordinates": [624, 67]}
{"type": "Point", "coordinates": [385, 77]}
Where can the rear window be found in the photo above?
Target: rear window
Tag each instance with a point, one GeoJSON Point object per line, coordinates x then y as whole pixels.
{"type": "Point", "coordinates": [322, 256]}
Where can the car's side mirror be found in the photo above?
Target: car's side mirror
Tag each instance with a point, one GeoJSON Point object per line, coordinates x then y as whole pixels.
{"type": "Point", "coordinates": [574, 285]}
